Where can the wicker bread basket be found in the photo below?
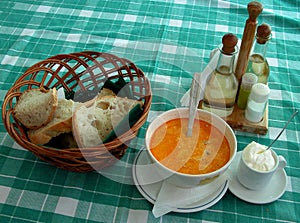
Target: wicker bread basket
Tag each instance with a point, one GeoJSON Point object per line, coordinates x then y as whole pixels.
{"type": "Point", "coordinates": [79, 72]}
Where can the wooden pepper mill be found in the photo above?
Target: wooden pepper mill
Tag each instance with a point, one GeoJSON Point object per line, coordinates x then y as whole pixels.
{"type": "Point", "coordinates": [254, 9]}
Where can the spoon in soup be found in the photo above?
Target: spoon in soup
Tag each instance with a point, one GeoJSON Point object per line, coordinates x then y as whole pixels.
{"type": "Point", "coordinates": [288, 122]}
{"type": "Point", "coordinates": [194, 100]}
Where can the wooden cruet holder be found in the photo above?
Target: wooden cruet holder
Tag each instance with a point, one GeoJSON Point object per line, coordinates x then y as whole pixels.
{"type": "Point", "coordinates": [237, 119]}
{"type": "Point", "coordinates": [254, 9]}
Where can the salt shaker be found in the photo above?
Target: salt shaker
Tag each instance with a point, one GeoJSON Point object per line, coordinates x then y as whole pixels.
{"type": "Point", "coordinates": [257, 102]}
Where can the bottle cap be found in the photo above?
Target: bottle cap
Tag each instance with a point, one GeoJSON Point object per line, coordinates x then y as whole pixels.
{"type": "Point", "coordinates": [249, 79]}
{"type": "Point", "coordinates": [260, 92]}
{"type": "Point", "coordinates": [229, 41]}
{"type": "Point", "coordinates": [263, 33]}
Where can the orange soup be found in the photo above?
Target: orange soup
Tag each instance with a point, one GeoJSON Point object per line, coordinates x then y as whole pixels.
{"type": "Point", "coordinates": [205, 151]}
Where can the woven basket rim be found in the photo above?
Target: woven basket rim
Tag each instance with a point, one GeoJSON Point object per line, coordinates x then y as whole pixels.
{"type": "Point", "coordinates": [92, 59]}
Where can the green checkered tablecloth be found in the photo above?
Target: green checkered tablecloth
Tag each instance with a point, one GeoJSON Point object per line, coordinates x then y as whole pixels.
{"type": "Point", "coordinates": [169, 40]}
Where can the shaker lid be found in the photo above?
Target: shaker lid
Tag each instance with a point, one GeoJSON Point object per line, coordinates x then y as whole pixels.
{"type": "Point", "coordinates": [229, 41]}
{"type": "Point", "coordinates": [249, 79]}
{"type": "Point", "coordinates": [260, 92]}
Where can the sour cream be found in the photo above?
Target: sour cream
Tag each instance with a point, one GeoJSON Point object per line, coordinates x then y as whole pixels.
{"type": "Point", "coordinates": [256, 159]}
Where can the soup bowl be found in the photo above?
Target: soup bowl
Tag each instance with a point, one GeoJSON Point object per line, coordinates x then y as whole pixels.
{"type": "Point", "coordinates": [182, 179]}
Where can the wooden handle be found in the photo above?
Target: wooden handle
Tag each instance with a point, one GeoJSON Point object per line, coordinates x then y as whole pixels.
{"type": "Point", "coordinates": [254, 9]}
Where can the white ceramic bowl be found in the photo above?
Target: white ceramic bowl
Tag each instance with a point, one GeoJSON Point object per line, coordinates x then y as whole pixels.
{"type": "Point", "coordinates": [190, 180]}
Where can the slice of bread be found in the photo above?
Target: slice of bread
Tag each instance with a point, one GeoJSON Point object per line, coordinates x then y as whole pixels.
{"type": "Point", "coordinates": [118, 107]}
{"type": "Point", "coordinates": [84, 130]}
{"type": "Point", "coordinates": [61, 123]}
{"type": "Point", "coordinates": [35, 107]}
{"type": "Point", "coordinates": [93, 121]}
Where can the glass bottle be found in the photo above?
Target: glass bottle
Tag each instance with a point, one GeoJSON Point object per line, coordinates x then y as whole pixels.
{"type": "Point", "coordinates": [258, 63]}
{"type": "Point", "coordinates": [222, 85]}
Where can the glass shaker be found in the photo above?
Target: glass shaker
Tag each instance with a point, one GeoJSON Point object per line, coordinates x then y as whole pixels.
{"type": "Point", "coordinates": [248, 80]}
{"type": "Point", "coordinates": [257, 102]}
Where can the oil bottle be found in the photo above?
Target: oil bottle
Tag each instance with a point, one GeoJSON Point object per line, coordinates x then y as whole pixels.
{"type": "Point", "coordinates": [258, 63]}
{"type": "Point", "coordinates": [222, 85]}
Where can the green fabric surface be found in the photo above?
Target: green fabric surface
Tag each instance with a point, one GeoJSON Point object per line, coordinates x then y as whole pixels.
{"type": "Point", "coordinates": [169, 40]}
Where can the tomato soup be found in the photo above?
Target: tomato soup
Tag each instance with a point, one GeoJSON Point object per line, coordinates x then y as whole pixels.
{"type": "Point", "coordinates": [205, 151]}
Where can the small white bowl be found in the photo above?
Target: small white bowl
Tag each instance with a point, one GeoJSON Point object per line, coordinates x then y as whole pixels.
{"type": "Point", "coordinates": [191, 180]}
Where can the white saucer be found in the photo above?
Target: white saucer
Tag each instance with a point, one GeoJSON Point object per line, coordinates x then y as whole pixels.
{"type": "Point", "coordinates": [150, 190]}
{"type": "Point", "coordinates": [266, 195]}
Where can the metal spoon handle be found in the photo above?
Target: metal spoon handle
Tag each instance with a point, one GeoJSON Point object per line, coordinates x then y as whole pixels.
{"type": "Point", "coordinates": [194, 100]}
{"type": "Point", "coordinates": [288, 122]}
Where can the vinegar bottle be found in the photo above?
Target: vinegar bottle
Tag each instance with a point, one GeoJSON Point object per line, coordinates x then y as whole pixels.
{"type": "Point", "coordinates": [222, 85]}
{"type": "Point", "coordinates": [258, 63]}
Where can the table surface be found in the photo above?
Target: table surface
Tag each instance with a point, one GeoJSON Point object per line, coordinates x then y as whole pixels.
{"type": "Point", "coordinates": [169, 40]}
